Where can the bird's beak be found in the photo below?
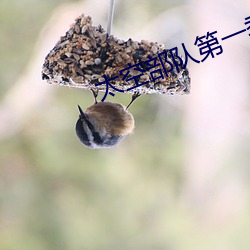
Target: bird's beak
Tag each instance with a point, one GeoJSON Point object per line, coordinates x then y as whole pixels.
{"type": "Point", "coordinates": [82, 115]}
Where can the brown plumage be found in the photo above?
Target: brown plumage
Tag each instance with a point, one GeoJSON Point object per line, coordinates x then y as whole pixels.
{"type": "Point", "coordinates": [110, 117]}
{"type": "Point", "coordinates": [104, 124]}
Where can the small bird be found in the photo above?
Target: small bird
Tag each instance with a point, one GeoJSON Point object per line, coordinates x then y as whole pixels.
{"type": "Point", "coordinates": [104, 124]}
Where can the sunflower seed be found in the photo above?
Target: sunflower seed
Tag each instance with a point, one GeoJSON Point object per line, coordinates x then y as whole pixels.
{"type": "Point", "coordinates": [154, 49]}
{"type": "Point", "coordinates": [69, 60]}
{"type": "Point", "coordinates": [88, 62]}
{"type": "Point", "coordinates": [77, 29]}
{"type": "Point", "coordinates": [85, 46]}
{"type": "Point", "coordinates": [78, 70]}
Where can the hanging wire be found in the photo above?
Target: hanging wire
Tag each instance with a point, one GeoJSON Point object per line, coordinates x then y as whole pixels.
{"type": "Point", "coordinates": [110, 15]}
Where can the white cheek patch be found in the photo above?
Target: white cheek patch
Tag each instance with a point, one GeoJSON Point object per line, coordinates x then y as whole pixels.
{"type": "Point", "coordinates": [89, 133]}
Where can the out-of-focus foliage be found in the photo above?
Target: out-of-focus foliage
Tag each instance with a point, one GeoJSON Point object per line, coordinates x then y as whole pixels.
{"type": "Point", "coordinates": [20, 24]}
{"type": "Point", "coordinates": [57, 194]}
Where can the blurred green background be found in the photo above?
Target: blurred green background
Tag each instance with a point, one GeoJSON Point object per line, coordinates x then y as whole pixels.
{"type": "Point", "coordinates": [181, 181]}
